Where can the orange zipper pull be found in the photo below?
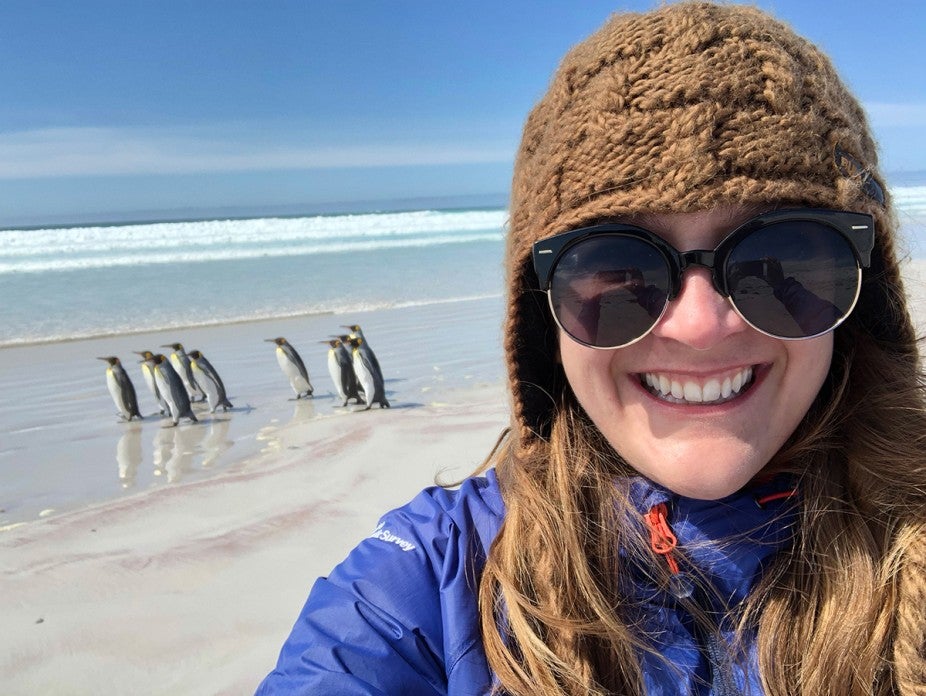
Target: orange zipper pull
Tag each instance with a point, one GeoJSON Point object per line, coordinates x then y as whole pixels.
{"type": "Point", "coordinates": [662, 540]}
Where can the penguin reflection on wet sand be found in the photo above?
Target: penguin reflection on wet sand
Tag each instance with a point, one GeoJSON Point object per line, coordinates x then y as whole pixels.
{"type": "Point", "coordinates": [342, 372]}
{"type": "Point", "coordinates": [292, 367]}
{"type": "Point", "coordinates": [121, 389]}
{"type": "Point", "coordinates": [368, 374]}
{"type": "Point", "coordinates": [181, 364]}
{"type": "Point", "coordinates": [171, 388]}
{"type": "Point", "coordinates": [209, 381]}
{"type": "Point", "coordinates": [148, 374]}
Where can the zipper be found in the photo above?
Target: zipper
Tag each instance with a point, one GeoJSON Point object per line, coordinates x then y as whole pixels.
{"type": "Point", "coordinates": [663, 542]}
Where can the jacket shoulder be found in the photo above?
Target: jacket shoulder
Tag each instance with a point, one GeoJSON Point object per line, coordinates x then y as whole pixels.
{"type": "Point", "coordinates": [400, 613]}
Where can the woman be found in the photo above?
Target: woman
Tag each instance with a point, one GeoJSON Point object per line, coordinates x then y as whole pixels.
{"type": "Point", "coordinates": [714, 479]}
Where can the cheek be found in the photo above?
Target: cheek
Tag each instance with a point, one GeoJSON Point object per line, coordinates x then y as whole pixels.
{"type": "Point", "coordinates": [590, 373]}
{"type": "Point", "coordinates": [809, 363]}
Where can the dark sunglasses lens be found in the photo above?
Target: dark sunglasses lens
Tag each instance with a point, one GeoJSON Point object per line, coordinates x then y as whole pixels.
{"type": "Point", "coordinates": [793, 279]}
{"type": "Point", "coordinates": [609, 290]}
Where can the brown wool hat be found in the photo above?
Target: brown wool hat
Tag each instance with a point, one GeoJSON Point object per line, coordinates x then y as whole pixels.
{"type": "Point", "coordinates": [685, 108]}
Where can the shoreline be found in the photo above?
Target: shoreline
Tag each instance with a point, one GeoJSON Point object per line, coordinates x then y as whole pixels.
{"type": "Point", "coordinates": [29, 343]}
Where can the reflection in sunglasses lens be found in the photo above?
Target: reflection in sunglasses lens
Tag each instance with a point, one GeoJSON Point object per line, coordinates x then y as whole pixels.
{"type": "Point", "coordinates": [609, 290]}
{"type": "Point", "coordinates": [793, 279]}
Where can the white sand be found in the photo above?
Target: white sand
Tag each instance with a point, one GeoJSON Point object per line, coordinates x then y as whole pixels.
{"type": "Point", "coordinates": [188, 582]}
{"type": "Point", "coordinates": [190, 587]}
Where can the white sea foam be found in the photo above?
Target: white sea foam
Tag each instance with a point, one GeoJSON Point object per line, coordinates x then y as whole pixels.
{"type": "Point", "coordinates": [910, 200]}
{"type": "Point", "coordinates": [218, 252]}
{"type": "Point", "coordinates": [43, 250]}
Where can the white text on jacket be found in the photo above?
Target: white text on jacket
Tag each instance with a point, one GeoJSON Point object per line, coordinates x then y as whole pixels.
{"type": "Point", "coordinates": [386, 535]}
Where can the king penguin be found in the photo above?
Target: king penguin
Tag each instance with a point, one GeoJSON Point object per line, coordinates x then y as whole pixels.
{"type": "Point", "coordinates": [149, 380]}
{"type": "Point", "coordinates": [357, 332]}
{"type": "Point", "coordinates": [368, 374]}
{"type": "Point", "coordinates": [342, 372]}
{"type": "Point", "coordinates": [292, 367]}
{"type": "Point", "coordinates": [171, 388]}
{"type": "Point", "coordinates": [210, 382]}
{"type": "Point", "coordinates": [121, 389]}
{"type": "Point", "coordinates": [181, 364]}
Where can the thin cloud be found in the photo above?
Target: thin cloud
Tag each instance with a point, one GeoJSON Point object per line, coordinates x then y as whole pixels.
{"type": "Point", "coordinates": [57, 152]}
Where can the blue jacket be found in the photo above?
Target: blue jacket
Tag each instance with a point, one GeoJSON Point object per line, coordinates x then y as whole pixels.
{"type": "Point", "coordinates": [399, 615]}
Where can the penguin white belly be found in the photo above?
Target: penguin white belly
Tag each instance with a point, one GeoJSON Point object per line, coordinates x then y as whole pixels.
{"type": "Point", "coordinates": [116, 391]}
{"type": "Point", "coordinates": [334, 369]}
{"type": "Point", "coordinates": [364, 376]}
{"type": "Point", "coordinates": [173, 404]}
{"type": "Point", "coordinates": [149, 378]}
{"type": "Point", "coordinates": [208, 386]}
{"type": "Point", "coordinates": [291, 370]}
{"type": "Point", "coordinates": [180, 369]}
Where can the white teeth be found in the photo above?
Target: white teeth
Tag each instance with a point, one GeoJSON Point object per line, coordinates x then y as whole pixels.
{"type": "Point", "coordinates": [727, 388]}
{"type": "Point", "coordinates": [737, 381]}
{"type": "Point", "coordinates": [714, 390]}
{"type": "Point", "coordinates": [693, 392]}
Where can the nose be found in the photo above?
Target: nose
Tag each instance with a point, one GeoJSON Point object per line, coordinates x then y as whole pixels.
{"type": "Point", "coordinates": [700, 317]}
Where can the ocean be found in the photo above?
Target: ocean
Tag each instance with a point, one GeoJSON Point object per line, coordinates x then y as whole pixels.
{"type": "Point", "coordinates": [95, 280]}
{"type": "Point", "coordinates": [78, 282]}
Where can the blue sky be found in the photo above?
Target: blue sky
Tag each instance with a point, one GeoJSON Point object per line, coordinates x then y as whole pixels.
{"type": "Point", "coordinates": [121, 108]}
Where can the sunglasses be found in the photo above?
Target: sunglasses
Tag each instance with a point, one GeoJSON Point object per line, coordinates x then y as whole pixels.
{"type": "Point", "coordinates": [789, 274]}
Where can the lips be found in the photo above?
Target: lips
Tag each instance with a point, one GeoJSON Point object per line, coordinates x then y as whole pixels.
{"type": "Point", "coordinates": [716, 389]}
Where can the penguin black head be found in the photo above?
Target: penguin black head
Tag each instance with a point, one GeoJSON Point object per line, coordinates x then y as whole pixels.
{"type": "Point", "coordinates": [112, 360]}
{"type": "Point", "coordinates": [333, 342]}
{"type": "Point", "coordinates": [146, 354]}
{"type": "Point", "coordinates": [195, 354]}
{"type": "Point", "coordinates": [158, 359]}
{"type": "Point", "coordinates": [175, 346]}
{"type": "Point", "coordinates": [355, 342]}
{"type": "Point", "coordinates": [279, 340]}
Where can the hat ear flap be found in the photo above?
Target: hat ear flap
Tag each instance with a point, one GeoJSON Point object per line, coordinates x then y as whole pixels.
{"type": "Point", "coordinates": [880, 311]}
{"type": "Point", "coordinates": [533, 355]}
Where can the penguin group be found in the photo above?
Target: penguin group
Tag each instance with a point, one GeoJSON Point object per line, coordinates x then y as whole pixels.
{"type": "Point", "coordinates": [176, 382]}
{"type": "Point", "coordinates": [179, 379]}
{"type": "Point", "coordinates": [352, 364]}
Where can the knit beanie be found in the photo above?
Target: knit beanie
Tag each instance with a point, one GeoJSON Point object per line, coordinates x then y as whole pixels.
{"type": "Point", "coordinates": [689, 107]}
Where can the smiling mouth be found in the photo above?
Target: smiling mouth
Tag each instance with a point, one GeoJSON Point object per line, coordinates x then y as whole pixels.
{"type": "Point", "coordinates": [715, 390]}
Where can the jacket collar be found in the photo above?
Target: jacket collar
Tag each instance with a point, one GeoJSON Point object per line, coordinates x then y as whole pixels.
{"type": "Point", "coordinates": [727, 542]}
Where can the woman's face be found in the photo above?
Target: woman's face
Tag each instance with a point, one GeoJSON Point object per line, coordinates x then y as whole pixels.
{"type": "Point", "coordinates": [700, 347]}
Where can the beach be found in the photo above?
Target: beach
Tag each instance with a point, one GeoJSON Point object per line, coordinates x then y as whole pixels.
{"type": "Point", "coordinates": [175, 560]}
{"type": "Point", "coordinates": [185, 576]}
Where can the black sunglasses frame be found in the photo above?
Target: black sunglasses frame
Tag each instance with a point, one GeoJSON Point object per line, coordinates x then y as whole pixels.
{"type": "Point", "coordinates": [856, 228]}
